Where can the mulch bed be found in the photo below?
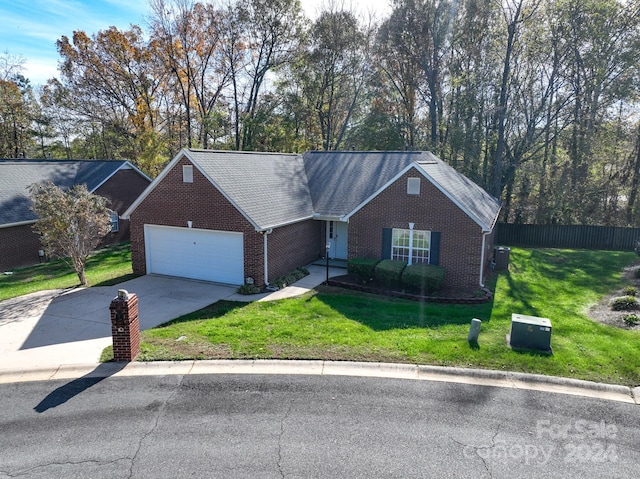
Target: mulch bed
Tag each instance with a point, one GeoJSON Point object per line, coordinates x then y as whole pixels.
{"type": "Point", "coordinates": [448, 295]}
{"type": "Point", "coordinates": [602, 312]}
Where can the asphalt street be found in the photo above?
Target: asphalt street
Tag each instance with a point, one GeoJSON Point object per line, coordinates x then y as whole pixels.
{"type": "Point", "coordinates": [278, 426]}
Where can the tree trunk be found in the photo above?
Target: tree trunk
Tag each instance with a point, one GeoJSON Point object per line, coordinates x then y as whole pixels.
{"type": "Point", "coordinates": [82, 276]}
{"type": "Point", "coordinates": [635, 181]}
{"type": "Point", "coordinates": [497, 177]}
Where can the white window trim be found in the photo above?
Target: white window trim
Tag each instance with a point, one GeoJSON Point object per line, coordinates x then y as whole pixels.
{"type": "Point", "coordinates": [410, 256]}
{"type": "Point", "coordinates": [115, 222]}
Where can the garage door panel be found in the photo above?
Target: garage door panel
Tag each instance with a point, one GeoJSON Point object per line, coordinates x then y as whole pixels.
{"type": "Point", "coordinates": [194, 253]}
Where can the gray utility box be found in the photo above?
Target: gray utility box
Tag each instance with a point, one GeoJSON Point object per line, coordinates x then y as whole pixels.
{"type": "Point", "coordinates": [530, 332]}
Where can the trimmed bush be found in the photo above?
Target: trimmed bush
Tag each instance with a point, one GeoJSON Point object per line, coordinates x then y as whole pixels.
{"type": "Point", "coordinates": [363, 267]}
{"type": "Point", "coordinates": [624, 303]}
{"type": "Point", "coordinates": [290, 278]}
{"type": "Point", "coordinates": [249, 289]}
{"type": "Point", "coordinates": [630, 291]}
{"type": "Point", "coordinates": [389, 272]}
{"type": "Point", "coordinates": [423, 277]}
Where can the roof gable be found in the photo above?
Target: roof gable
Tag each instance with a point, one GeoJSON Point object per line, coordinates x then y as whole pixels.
{"type": "Point", "coordinates": [17, 175]}
{"type": "Point", "coordinates": [339, 181]}
{"type": "Point", "coordinates": [274, 189]}
{"type": "Point", "coordinates": [479, 205]}
{"type": "Point", "coordinates": [268, 189]}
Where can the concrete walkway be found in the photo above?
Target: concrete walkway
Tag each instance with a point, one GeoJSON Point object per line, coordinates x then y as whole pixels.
{"type": "Point", "coordinates": [52, 328]}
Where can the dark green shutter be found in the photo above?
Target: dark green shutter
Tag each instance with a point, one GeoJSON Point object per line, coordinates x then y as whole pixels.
{"type": "Point", "coordinates": [387, 236]}
{"type": "Point", "coordinates": [434, 252]}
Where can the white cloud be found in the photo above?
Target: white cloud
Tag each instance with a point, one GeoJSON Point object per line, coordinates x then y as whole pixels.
{"type": "Point", "coordinates": [39, 70]}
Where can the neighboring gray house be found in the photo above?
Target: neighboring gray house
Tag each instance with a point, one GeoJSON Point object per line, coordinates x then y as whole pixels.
{"type": "Point", "coordinates": [119, 181]}
{"type": "Point", "coordinates": [228, 216]}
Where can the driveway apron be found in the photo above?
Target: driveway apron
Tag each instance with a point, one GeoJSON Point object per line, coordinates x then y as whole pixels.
{"type": "Point", "coordinates": [73, 326]}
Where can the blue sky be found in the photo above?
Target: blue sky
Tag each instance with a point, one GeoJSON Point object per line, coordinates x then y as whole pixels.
{"type": "Point", "coordinates": [30, 28]}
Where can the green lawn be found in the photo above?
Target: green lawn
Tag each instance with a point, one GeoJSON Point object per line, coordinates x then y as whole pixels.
{"type": "Point", "coordinates": [107, 267]}
{"type": "Point", "coordinates": [342, 325]}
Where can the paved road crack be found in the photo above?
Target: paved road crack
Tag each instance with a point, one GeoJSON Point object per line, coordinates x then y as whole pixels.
{"type": "Point", "coordinates": [156, 421]}
{"type": "Point", "coordinates": [282, 421]}
{"type": "Point", "coordinates": [483, 457]}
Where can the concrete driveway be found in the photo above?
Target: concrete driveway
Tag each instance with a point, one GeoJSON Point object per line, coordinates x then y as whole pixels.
{"type": "Point", "coordinates": [74, 326]}
{"type": "Point", "coordinates": [53, 328]}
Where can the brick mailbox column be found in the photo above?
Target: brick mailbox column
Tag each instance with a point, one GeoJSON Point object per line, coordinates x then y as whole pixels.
{"type": "Point", "coordinates": [125, 327]}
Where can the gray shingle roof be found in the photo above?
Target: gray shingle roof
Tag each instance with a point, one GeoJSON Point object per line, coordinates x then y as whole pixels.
{"type": "Point", "coordinates": [17, 175]}
{"type": "Point", "coordinates": [340, 181]}
{"type": "Point", "coordinates": [473, 199]}
{"type": "Point", "coordinates": [274, 189]}
{"type": "Point", "coordinates": [270, 188]}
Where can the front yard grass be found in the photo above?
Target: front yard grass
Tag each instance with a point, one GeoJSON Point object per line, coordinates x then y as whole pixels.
{"type": "Point", "coordinates": [336, 324]}
{"type": "Point", "coordinates": [109, 266]}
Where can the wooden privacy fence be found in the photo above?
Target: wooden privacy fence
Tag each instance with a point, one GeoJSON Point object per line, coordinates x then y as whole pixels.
{"type": "Point", "coordinates": [567, 236]}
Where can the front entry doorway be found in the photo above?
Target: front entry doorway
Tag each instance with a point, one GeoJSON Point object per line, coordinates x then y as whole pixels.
{"type": "Point", "coordinates": [337, 237]}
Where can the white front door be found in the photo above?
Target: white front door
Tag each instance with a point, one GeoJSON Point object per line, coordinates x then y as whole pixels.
{"type": "Point", "coordinates": [337, 237]}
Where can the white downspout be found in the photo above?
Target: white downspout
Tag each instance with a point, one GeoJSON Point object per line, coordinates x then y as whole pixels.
{"type": "Point", "coordinates": [484, 244]}
{"type": "Point", "coordinates": [266, 255]}
{"type": "Point", "coordinates": [411, 225]}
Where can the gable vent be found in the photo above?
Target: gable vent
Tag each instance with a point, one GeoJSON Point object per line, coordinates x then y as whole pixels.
{"type": "Point", "coordinates": [187, 173]}
{"type": "Point", "coordinates": [413, 186]}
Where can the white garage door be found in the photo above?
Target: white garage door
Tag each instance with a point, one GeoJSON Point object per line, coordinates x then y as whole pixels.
{"type": "Point", "coordinates": [194, 253]}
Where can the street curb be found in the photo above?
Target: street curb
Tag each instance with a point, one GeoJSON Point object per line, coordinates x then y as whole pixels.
{"type": "Point", "coordinates": [481, 377]}
{"type": "Point", "coordinates": [539, 382]}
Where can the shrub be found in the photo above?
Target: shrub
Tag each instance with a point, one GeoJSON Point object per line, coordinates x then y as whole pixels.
{"type": "Point", "coordinates": [290, 278]}
{"type": "Point", "coordinates": [362, 267]}
{"type": "Point", "coordinates": [624, 303]}
{"type": "Point", "coordinates": [248, 289]}
{"type": "Point", "coordinates": [423, 277]}
{"type": "Point", "coordinates": [631, 319]}
{"type": "Point", "coordinates": [630, 291]}
{"type": "Point", "coordinates": [389, 272]}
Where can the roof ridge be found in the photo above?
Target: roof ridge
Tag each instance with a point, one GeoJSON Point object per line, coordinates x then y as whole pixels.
{"type": "Point", "coordinates": [242, 152]}
{"type": "Point", "coordinates": [53, 160]}
{"type": "Point", "coordinates": [369, 152]}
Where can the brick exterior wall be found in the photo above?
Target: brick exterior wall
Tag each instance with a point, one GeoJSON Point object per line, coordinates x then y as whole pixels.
{"type": "Point", "coordinates": [121, 190]}
{"type": "Point", "coordinates": [293, 246]}
{"type": "Point", "coordinates": [19, 246]}
{"type": "Point", "coordinates": [173, 203]}
{"type": "Point", "coordinates": [431, 210]}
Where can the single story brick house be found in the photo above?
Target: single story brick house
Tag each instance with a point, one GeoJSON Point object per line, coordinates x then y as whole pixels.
{"type": "Point", "coordinates": [235, 217]}
{"type": "Point", "coordinates": [118, 181]}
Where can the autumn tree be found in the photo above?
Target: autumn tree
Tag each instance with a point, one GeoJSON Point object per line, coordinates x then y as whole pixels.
{"type": "Point", "coordinates": [272, 30]}
{"type": "Point", "coordinates": [116, 88]}
{"type": "Point", "coordinates": [71, 222]}
{"type": "Point", "coordinates": [187, 38]}
{"type": "Point", "coordinates": [399, 75]}
{"type": "Point", "coordinates": [334, 73]}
